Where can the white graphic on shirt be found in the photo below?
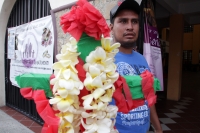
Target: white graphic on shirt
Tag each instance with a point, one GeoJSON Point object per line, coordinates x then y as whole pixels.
{"type": "Point", "coordinates": [124, 68]}
{"type": "Point", "coordinates": [137, 116]}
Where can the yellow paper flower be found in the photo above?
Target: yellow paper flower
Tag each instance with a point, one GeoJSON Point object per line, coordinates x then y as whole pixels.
{"type": "Point", "coordinates": [111, 49]}
{"type": "Point", "coordinates": [62, 103]}
{"type": "Point", "coordinates": [97, 125]}
{"type": "Point", "coordinates": [97, 56]}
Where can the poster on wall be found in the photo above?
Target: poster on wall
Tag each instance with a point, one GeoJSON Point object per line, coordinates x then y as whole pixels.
{"type": "Point", "coordinates": [34, 48]}
{"type": "Point", "coordinates": [151, 46]}
{"type": "Point", "coordinates": [11, 43]}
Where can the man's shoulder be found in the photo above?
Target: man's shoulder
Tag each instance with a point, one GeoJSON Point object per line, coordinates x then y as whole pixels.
{"type": "Point", "coordinates": [138, 54]}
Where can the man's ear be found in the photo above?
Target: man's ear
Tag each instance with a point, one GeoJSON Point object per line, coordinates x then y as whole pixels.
{"type": "Point", "coordinates": [111, 26]}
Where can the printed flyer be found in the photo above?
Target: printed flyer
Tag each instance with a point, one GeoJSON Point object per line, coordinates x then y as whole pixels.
{"type": "Point", "coordinates": [34, 52]}
{"type": "Point", "coordinates": [11, 43]}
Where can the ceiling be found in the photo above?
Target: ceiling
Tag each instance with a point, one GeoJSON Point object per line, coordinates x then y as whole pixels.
{"type": "Point", "coordinates": [189, 8]}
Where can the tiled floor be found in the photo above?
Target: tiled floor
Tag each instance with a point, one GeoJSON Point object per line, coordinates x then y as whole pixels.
{"type": "Point", "coordinates": [181, 116]}
{"type": "Point", "coordinates": [35, 127]}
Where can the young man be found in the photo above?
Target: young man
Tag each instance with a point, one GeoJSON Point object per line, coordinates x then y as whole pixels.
{"type": "Point", "coordinates": [124, 25]}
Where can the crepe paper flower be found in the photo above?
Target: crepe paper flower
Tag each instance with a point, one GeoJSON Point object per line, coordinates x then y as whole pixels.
{"type": "Point", "coordinates": [62, 92]}
{"type": "Point", "coordinates": [69, 122]}
{"type": "Point", "coordinates": [96, 56]}
{"type": "Point", "coordinates": [94, 114]}
{"type": "Point", "coordinates": [68, 56]}
{"type": "Point", "coordinates": [92, 83]}
{"type": "Point", "coordinates": [66, 116]}
{"type": "Point", "coordinates": [62, 103]}
{"type": "Point", "coordinates": [87, 102]}
{"type": "Point", "coordinates": [84, 17]}
{"type": "Point", "coordinates": [107, 97]}
{"type": "Point", "coordinates": [111, 111]}
{"type": "Point", "coordinates": [98, 119]}
{"type": "Point", "coordinates": [69, 52]}
{"type": "Point", "coordinates": [97, 125]}
{"type": "Point", "coordinates": [106, 45]}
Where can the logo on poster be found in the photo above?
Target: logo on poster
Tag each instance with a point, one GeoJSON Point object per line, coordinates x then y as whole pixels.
{"type": "Point", "coordinates": [29, 50]}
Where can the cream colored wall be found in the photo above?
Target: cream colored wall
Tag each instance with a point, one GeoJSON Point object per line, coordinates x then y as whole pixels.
{"type": "Point", "coordinates": [57, 3]}
{"type": "Point", "coordinates": [5, 9]}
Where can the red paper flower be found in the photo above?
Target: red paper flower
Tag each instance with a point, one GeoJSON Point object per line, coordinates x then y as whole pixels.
{"type": "Point", "coordinates": [84, 17]}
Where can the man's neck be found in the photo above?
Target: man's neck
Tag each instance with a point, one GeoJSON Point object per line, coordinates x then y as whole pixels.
{"type": "Point", "coordinates": [125, 51]}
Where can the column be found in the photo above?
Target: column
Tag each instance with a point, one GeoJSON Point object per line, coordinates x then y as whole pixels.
{"type": "Point", "coordinates": [175, 57]}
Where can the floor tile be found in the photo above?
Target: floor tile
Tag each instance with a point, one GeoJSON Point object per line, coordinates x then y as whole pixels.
{"type": "Point", "coordinates": [180, 107]}
{"type": "Point", "coordinates": [184, 115]}
{"type": "Point", "coordinates": [35, 124]}
{"type": "Point", "coordinates": [192, 119]}
{"type": "Point", "coordinates": [194, 131]}
{"type": "Point", "coordinates": [183, 103]}
{"type": "Point", "coordinates": [161, 115]}
{"type": "Point", "coordinates": [10, 112]}
{"type": "Point", "coordinates": [188, 126]}
{"type": "Point", "coordinates": [18, 117]}
{"type": "Point", "coordinates": [180, 131]}
{"type": "Point", "coordinates": [168, 131]}
{"type": "Point", "coordinates": [164, 110]}
{"type": "Point", "coordinates": [164, 127]}
{"type": "Point", "coordinates": [176, 110]}
{"type": "Point", "coordinates": [174, 126]}
{"type": "Point", "coordinates": [186, 101]}
{"type": "Point", "coordinates": [4, 108]}
{"type": "Point", "coordinates": [36, 129]}
{"type": "Point", "coordinates": [166, 120]}
{"type": "Point", "coordinates": [171, 115]}
{"type": "Point", "coordinates": [179, 120]}
{"type": "Point", "coordinates": [27, 123]}
{"type": "Point", "coordinates": [25, 118]}
{"type": "Point", "coordinates": [188, 98]}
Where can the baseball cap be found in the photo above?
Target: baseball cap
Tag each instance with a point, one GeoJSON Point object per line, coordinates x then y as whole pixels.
{"type": "Point", "coordinates": [124, 4]}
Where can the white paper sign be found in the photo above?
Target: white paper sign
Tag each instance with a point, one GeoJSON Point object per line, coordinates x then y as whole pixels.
{"type": "Point", "coordinates": [11, 43]}
{"type": "Point", "coordinates": [34, 52]}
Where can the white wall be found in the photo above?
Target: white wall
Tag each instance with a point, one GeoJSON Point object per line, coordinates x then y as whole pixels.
{"type": "Point", "coordinates": [5, 9]}
{"type": "Point", "coordinates": [57, 3]}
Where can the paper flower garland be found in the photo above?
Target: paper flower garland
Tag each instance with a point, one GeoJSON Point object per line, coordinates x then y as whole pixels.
{"type": "Point", "coordinates": [66, 88]}
{"type": "Point", "coordinates": [100, 77]}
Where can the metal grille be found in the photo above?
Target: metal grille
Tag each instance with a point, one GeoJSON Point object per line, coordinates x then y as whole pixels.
{"type": "Point", "coordinates": [23, 11]}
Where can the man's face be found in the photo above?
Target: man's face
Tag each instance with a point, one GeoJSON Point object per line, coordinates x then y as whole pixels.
{"type": "Point", "coordinates": [125, 28]}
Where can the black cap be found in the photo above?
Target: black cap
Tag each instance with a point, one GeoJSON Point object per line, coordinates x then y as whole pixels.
{"type": "Point", "coordinates": [124, 4]}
